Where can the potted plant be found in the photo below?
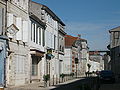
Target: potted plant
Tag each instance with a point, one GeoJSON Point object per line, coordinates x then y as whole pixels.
{"type": "Point", "coordinates": [46, 78]}
{"type": "Point", "coordinates": [72, 74]}
{"type": "Point", "coordinates": [62, 76]}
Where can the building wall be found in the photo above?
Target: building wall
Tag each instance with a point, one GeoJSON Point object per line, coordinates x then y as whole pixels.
{"type": "Point", "coordinates": [18, 71]}
{"type": "Point", "coordinates": [68, 61]}
{"type": "Point", "coordinates": [95, 66]}
{"type": "Point", "coordinates": [51, 38]}
{"type": "Point", "coordinates": [2, 17]}
{"type": "Point", "coordinates": [97, 59]}
{"type": "Point", "coordinates": [115, 51]}
{"type": "Point", "coordinates": [37, 40]}
{"type": "Point", "coordinates": [84, 57]}
{"type": "Point", "coordinates": [3, 43]}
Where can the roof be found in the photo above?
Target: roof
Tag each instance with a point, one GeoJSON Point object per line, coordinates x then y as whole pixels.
{"type": "Point", "coordinates": [69, 40]}
{"type": "Point", "coordinates": [115, 29]}
{"type": "Point", "coordinates": [94, 53]}
{"type": "Point", "coordinates": [48, 10]}
{"type": "Point", "coordinates": [35, 18]}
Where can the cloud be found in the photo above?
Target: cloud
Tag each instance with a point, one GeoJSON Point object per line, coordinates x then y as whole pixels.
{"type": "Point", "coordinates": [96, 33]}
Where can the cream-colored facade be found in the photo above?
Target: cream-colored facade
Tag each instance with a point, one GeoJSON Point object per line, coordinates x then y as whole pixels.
{"type": "Point", "coordinates": [17, 67]}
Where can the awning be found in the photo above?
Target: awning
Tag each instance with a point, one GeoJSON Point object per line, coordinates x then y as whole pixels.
{"type": "Point", "coordinates": [36, 52]}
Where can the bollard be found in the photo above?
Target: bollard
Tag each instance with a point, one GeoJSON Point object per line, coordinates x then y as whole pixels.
{"type": "Point", "coordinates": [53, 79]}
{"type": "Point", "coordinates": [56, 79]}
{"type": "Point", "coordinates": [49, 82]}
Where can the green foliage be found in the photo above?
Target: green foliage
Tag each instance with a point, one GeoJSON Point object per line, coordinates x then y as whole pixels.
{"type": "Point", "coordinates": [62, 75]}
{"type": "Point", "coordinates": [72, 74]}
{"type": "Point", "coordinates": [88, 65]}
{"type": "Point", "coordinates": [46, 77]}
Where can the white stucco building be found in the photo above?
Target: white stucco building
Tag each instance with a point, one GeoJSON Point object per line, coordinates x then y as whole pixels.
{"type": "Point", "coordinates": [96, 61]}
{"type": "Point", "coordinates": [17, 67]}
{"type": "Point", "coordinates": [75, 49]}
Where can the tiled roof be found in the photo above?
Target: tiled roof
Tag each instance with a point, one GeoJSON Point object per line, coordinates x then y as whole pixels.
{"type": "Point", "coordinates": [69, 40]}
{"type": "Point", "coordinates": [115, 29]}
{"type": "Point", "coordinates": [94, 53]}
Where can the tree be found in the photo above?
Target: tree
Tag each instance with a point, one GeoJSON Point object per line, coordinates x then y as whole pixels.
{"type": "Point", "coordinates": [88, 67]}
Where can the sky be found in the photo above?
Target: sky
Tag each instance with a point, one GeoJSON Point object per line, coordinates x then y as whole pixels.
{"type": "Point", "coordinates": [91, 18]}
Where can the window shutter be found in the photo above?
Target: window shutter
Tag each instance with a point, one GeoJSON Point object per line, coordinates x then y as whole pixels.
{"type": "Point", "coordinates": [10, 19]}
{"type": "Point", "coordinates": [19, 26]}
{"type": "Point", "coordinates": [25, 31]}
{"type": "Point", "coordinates": [52, 40]}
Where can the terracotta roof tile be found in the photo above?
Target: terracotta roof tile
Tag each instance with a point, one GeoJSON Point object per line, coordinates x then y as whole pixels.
{"type": "Point", "coordinates": [69, 40]}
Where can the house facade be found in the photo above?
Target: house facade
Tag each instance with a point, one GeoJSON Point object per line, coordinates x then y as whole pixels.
{"type": "Point", "coordinates": [3, 42]}
{"type": "Point", "coordinates": [54, 37]}
{"type": "Point", "coordinates": [96, 61]}
{"type": "Point", "coordinates": [70, 54]}
{"type": "Point", "coordinates": [53, 41]}
{"type": "Point", "coordinates": [83, 55]}
{"type": "Point", "coordinates": [17, 64]}
{"type": "Point", "coordinates": [76, 55]}
{"type": "Point", "coordinates": [61, 46]}
{"type": "Point", "coordinates": [115, 50]}
{"type": "Point", "coordinates": [36, 42]}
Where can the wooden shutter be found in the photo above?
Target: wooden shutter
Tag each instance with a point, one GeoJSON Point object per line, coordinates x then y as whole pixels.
{"type": "Point", "coordinates": [19, 26]}
{"type": "Point", "coordinates": [25, 31]}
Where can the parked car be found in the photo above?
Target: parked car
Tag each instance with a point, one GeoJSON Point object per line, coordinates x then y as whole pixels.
{"type": "Point", "coordinates": [107, 76]}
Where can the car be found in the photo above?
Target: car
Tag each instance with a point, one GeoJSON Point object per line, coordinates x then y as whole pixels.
{"type": "Point", "coordinates": [107, 76]}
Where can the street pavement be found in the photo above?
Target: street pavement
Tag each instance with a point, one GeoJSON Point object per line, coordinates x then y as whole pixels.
{"type": "Point", "coordinates": [40, 86]}
{"type": "Point", "coordinates": [115, 86]}
{"type": "Point", "coordinates": [74, 84]}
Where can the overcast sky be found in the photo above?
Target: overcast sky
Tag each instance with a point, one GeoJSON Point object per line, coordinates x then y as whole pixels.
{"type": "Point", "coordinates": [90, 18]}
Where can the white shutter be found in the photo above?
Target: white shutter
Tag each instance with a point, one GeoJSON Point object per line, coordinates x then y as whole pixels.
{"type": "Point", "coordinates": [25, 31]}
{"type": "Point", "coordinates": [19, 26]}
{"type": "Point", "coordinates": [52, 37]}
{"type": "Point", "coordinates": [46, 38]}
{"type": "Point", "coordinates": [10, 19]}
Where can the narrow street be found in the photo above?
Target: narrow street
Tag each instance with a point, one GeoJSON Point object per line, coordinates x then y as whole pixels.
{"type": "Point", "coordinates": [115, 86]}
{"type": "Point", "coordinates": [75, 84]}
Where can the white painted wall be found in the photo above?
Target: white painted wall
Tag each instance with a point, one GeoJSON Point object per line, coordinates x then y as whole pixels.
{"type": "Point", "coordinates": [95, 66]}
{"type": "Point", "coordinates": [68, 61]}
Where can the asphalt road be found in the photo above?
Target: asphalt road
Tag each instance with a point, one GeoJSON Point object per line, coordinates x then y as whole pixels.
{"type": "Point", "coordinates": [115, 86]}
{"type": "Point", "coordinates": [82, 84]}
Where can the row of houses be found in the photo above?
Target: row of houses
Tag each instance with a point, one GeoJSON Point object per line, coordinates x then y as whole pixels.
{"type": "Point", "coordinates": [114, 48]}
{"type": "Point", "coordinates": [33, 43]}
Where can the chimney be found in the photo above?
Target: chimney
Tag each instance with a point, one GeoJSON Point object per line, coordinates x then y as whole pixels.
{"type": "Point", "coordinates": [79, 36]}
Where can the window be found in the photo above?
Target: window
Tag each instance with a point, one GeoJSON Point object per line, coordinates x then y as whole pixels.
{"type": "Point", "coordinates": [37, 34]}
{"type": "Point", "coordinates": [116, 38]}
{"type": "Point", "coordinates": [54, 42]}
{"type": "Point", "coordinates": [35, 62]}
{"type": "Point", "coordinates": [39, 31]}
{"type": "Point", "coordinates": [20, 64]}
{"type": "Point", "coordinates": [60, 48]}
{"type": "Point", "coordinates": [34, 33]}
{"type": "Point", "coordinates": [43, 37]}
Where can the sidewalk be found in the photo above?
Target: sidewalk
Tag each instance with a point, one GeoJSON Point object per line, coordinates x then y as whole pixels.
{"type": "Point", "coordinates": [38, 86]}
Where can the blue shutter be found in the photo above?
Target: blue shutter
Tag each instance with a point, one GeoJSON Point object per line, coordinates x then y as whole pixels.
{"type": "Point", "coordinates": [2, 62]}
